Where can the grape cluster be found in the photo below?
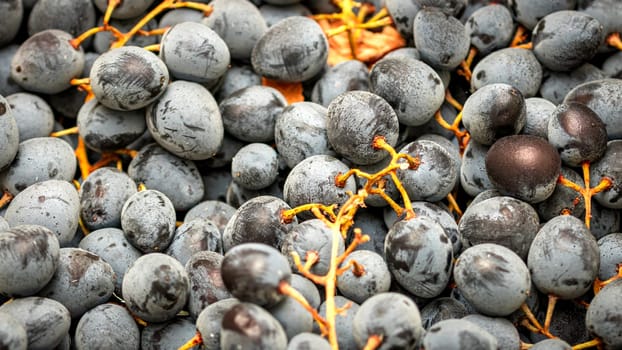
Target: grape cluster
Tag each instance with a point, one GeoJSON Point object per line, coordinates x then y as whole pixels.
{"type": "Point", "coordinates": [310, 174]}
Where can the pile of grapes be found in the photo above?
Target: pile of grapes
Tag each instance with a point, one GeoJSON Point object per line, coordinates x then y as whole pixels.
{"type": "Point", "coordinates": [310, 174]}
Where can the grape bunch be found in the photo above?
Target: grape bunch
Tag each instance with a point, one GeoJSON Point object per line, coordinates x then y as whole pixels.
{"type": "Point", "coordinates": [310, 174]}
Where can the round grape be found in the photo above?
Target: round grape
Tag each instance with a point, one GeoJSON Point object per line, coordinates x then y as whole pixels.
{"type": "Point", "coordinates": [107, 326]}
{"type": "Point", "coordinates": [255, 166]}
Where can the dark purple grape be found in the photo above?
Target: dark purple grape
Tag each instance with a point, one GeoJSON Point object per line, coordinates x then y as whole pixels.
{"type": "Point", "coordinates": [239, 23]}
{"type": "Point", "coordinates": [563, 40]}
{"type": "Point", "coordinates": [107, 326]}
{"type": "Point", "coordinates": [12, 333]}
{"type": "Point", "coordinates": [600, 97]}
{"type": "Point", "coordinates": [206, 285]}
{"type": "Point", "coordinates": [155, 167]}
{"type": "Point", "coordinates": [46, 62]}
{"type": "Point", "coordinates": [255, 166]}
{"type": "Point", "coordinates": [248, 326]}
{"type": "Point", "coordinates": [193, 237]}
{"type": "Point", "coordinates": [490, 27]}
{"type": "Point", "coordinates": [558, 84]}
{"type": "Point", "coordinates": [155, 287]}
{"type": "Point", "coordinates": [216, 211]}
{"type": "Point", "coordinates": [253, 272]}
{"type": "Point", "coordinates": [294, 49]}
{"type": "Point", "coordinates": [81, 281]}
{"type": "Point", "coordinates": [604, 313]}
{"type": "Point", "coordinates": [345, 76]}
{"type": "Point", "coordinates": [29, 256]}
{"type": "Point", "coordinates": [73, 17]}
{"type": "Point", "coordinates": [102, 196]}
{"type": "Point", "coordinates": [529, 12]}
{"type": "Point", "coordinates": [610, 166]}
{"type": "Point", "coordinates": [523, 166]}
{"type": "Point", "coordinates": [393, 316]}
{"type": "Point", "coordinates": [502, 220]}
{"type": "Point", "coordinates": [46, 321]}
{"type": "Point", "coordinates": [128, 78]}
{"type": "Point", "coordinates": [169, 335]}
{"type": "Point", "coordinates": [11, 14]}
{"type": "Point", "coordinates": [563, 258]}
{"type": "Point", "coordinates": [492, 278]}
{"type": "Point", "coordinates": [148, 220]}
{"type": "Point", "coordinates": [440, 309]}
{"type": "Point", "coordinates": [578, 133]}
{"type": "Point", "coordinates": [457, 334]}
{"type": "Point", "coordinates": [257, 220]}
{"type": "Point", "coordinates": [33, 115]}
{"type": "Point", "coordinates": [209, 322]}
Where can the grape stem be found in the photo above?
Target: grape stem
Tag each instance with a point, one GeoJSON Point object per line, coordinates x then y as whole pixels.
{"type": "Point", "coordinates": [519, 37]}
{"type": "Point", "coordinates": [6, 198]}
{"type": "Point", "coordinates": [194, 341]}
{"type": "Point", "coordinates": [589, 344]}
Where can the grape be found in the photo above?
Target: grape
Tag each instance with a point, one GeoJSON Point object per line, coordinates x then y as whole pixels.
{"type": "Point", "coordinates": [304, 341]}
{"type": "Point", "coordinates": [300, 132]}
{"type": "Point", "coordinates": [9, 137]}
{"type": "Point", "coordinates": [529, 12]}
{"type": "Point", "coordinates": [307, 288]}
{"type": "Point", "coordinates": [436, 175]}
{"type": "Point", "coordinates": [440, 309]}
{"type": "Point", "coordinates": [538, 111]}
{"type": "Point", "coordinates": [237, 77]}
{"type": "Point", "coordinates": [209, 322]}
{"type": "Point", "coordinates": [343, 323]}
{"type": "Point", "coordinates": [255, 166]}
{"type": "Point", "coordinates": [239, 23]}
{"type": "Point", "coordinates": [503, 330]}
{"type": "Point", "coordinates": [216, 211]}
{"type": "Point", "coordinates": [490, 28]}
{"type": "Point", "coordinates": [354, 119]}
{"type": "Point", "coordinates": [229, 147]}
{"type": "Point", "coordinates": [412, 88]}
{"type": "Point", "coordinates": [12, 333]}
{"type": "Point", "coordinates": [524, 166]}
{"type": "Point", "coordinates": [403, 13]}
{"type": "Point", "coordinates": [155, 287]}
{"type": "Point", "coordinates": [441, 39]}
{"type": "Point", "coordinates": [12, 12]}
{"type": "Point", "coordinates": [73, 17]}
{"type": "Point", "coordinates": [473, 176]}
{"type": "Point", "coordinates": [604, 220]}
{"type": "Point", "coordinates": [313, 181]}
{"type": "Point", "coordinates": [103, 40]}
{"type": "Point", "coordinates": [558, 84]}
{"type": "Point", "coordinates": [46, 321]}
{"type": "Point", "coordinates": [81, 281]}
{"type": "Point", "coordinates": [563, 40]}
{"type": "Point", "coordinates": [376, 277]}
{"type": "Point", "coordinates": [155, 167]}
{"type": "Point", "coordinates": [563, 197]}
{"type": "Point", "coordinates": [180, 15]}
{"type": "Point", "coordinates": [605, 11]}
{"type": "Point", "coordinates": [513, 66]}
{"type": "Point", "coordinates": [46, 62]}
{"type": "Point", "coordinates": [578, 133]}
{"type": "Point", "coordinates": [170, 335]}
{"type": "Point", "coordinates": [610, 165]}
{"type": "Point", "coordinates": [33, 115]}
{"type": "Point", "coordinates": [4, 225]}
{"type": "Point", "coordinates": [563, 258]}
{"type": "Point", "coordinates": [371, 223]}
{"type": "Point", "coordinates": [186, 121]}
{"type": "Point", "coordinates": [551, 344]}
{"type": "Point", "coordinates": [458, 334]}
{"type": "Point", "coordinates": [7, 85]}
{"type": "Point", "coordinates": [599, 96]}
{"type": "Point", "coordinates": [502, 220]}
{"type": "Point", "coordinates": [29, 256]}
{"type": "Point", "coordinates": [257, 220]}
{"type": "Point", "coordinates": [393, 316]}
{"type": "Point", "coordinates": [419, 255]}
{"type": "Point", "coordinates": [128, 78]}
{"type": "Point", "coordinates": [604, 313]}
{"type": "Point", "coordinates": [107, 326]}
{"type": "Point", "coordinates": [253, 272]}
{"type": "Point", "coordinates": [237, 195]}
{"type": "Point", "coordinates": [111, 246]}
{"type": "Point", "coordinates": [248, 326]}
{"type": "Point", "coordinates": [294, 49]}
{"type": "Point", "coordinates": [292, 316]}
{"type": "Point", "coordinates": [449, 7]}
{"type": "Point", "coordinates": [345, 76]}
{"type": "Point", "coordinates": [194, 52]}
{"type": "Point", "coordinates": [448, 145]}
{"type": "Point", "coordinates": [53, 204]}
{"type": "Point", "coordinates": [275, 13]}
{"type": "Point", "coordinates": [612, 66]}
{"type": "Point", "coordinates": [610, 255]}
{"type": "Point", "coordinates": [37, 160]}
{"type": "Point", "coordinates": [311, 235]}
{"type": "Point", "coordinates": [104, 129]}
{"type": "Point", "coordinates": [492, 278]}
{"type": "Point", "coordinates": [206, 285]}
{"type": "Point", "coordinates": [148, 220]}
{"type": "Point", "coordinates": [195, 236]}
{"type": "Point", "coordinates": [568, 323]}
{"type": "Point", "coordinates": [102, 196]}
{"type": "Point", "coordinates": [494, 111]}
{"type": "Point", "coordinates": [249, 114]}
{"type": "Point", "coordinates": [127, 9]}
